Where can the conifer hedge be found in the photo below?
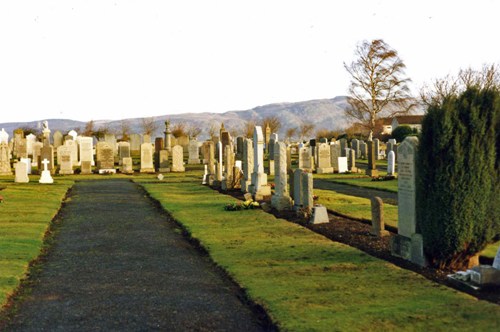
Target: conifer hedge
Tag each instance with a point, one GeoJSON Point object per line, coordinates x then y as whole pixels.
{"type": "Point", "coordinates": [458, 187]}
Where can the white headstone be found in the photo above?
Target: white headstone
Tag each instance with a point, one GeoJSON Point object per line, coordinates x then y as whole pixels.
{"type": "Point", "coordinates": [46, 177]}
{"type": "Point", "coordinates": [86, 149]}
{"type": "Point", "coordinates": [147, 158]}
{"type": "Point", "coordinates": [21, 173]}
{"type": "Point", "coordinates": [178, 159]}
{"type": "Point", "coordinates": [259, 186]}
{"type": "Point", "coordinates": [4, 136]}
{"type": "Point", "coordinates": [391, 163]}
{"type": "Point", "coordinates": [342, 161]}
{"type": "Point", "coordinates": [406, 187]}
{"type": "Point", "coordinates": [27, 161]}
{"type": "Point", "coordinates": [281, 199]}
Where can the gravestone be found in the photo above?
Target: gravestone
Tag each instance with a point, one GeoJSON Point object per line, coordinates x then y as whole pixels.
{"type": "Point", "coordinates": [163, 162]}
{"type": "Point", "coordinates": [86, 145]}
{"type": "Point", "coordinates": [5, 168]}
{"type": "Point", "coordinates": [306, 193]}
{"type": "Point", "coordinates": [47, 152]}
{"type": "Point", "coordinates": [73, 145]}
{"type": "Point", "coordinates": [21, 173]}
{"type": "Point", "coordinates": [363, 147]}
{"type": "Point", "coordinates": [407, 244]}
{"type": "Point", "coordinates": [247, 165]}
{"type": "Point", "coordinates": [22, 148]}
{"type": "Point", "coordinates": [219, 164]}
{"type": "Point", "coordinates": [352, 161]}
{"type": "Point", "coordinates": [167, 134]}
{"type": "Point", "coordinates": [58, 139]}
{"type": "Point", "coordinates": [324, 159]}
{"type": "Point", "coordinates": [210, 150]}
{"type": "Point", "coordinates": [297, 189]}
{"type": "Point", "coordinates": [177, 159]}
{"type": "Point", "coordinates": [227, 182]}
{"type": "Point", "coordinates": [376, 144]}
{"type": "Point", "coordinates": [86, 168]}
{"type": "Point", "coordinates": [147, 158]}
{"type": "Point", "coordinates": [319, 215]}
{"type": "Point", "coordinates": [378, 224]}
{"type": "Point", "coordinates": [4, 136]}
{"type": "Point", "coordinates": [391, 163]}
{"type": "Point", "coordinates": [18, 136]}
{"type": "Point", "coordinates": [239, 147]}
{"type": "Point", "coordinates": [158, 144]}
{"type": "Point", "coordinates": [342, 164]}
{"type": "Point", "coordinates": [182, 141]}
{"type": "Point", "coordinates": [146, 138]}
{"type": "Point", "coordinates": [343, 146]}
{"type": "Point", "coordinates": [127, 165]}
{"type": "Point", "coordinates": [372, 166]}
{"type": "Point", "coordinates": [135, 143]}
{"type": "Point", "coordinates": [105, 158]}
{"type": "Point", "coordinates": [73, 134]}
{"type": "Point", "coordinates": [27, 161]}
{"type": "Point", "coordinates": [267, 137]}
{"type": "Point", "coordinates": [37, 148]}
{"type": "Point", "coordinates": [64, 160]}
{"type": "Point", "coordinates": [30, 140]}
{"type": "Point", "coordinates": [334, 156]}
{"type": "Point", "coordinates": [194, 152]}
{"type": "Point", "coordinates": [259, 187]}
{"type": "Point", "coordinates": [111, 140]}
{"type": "Point", "coordinates": [281, 199]}
{"type": "Point", "coordinates": [124, 151]}
{"type": "Point", "coordinates": [305, 159]}
{"type": "Point", "coordinates": [355, 147]}
{"type": "Point", "coordinates": [46, 178]}
{"type": "Point", "coordinates": [272, 141]}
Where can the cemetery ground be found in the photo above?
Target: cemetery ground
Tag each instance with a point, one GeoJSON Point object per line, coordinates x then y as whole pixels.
{"type": "Point", "coordinates": [302, 279]}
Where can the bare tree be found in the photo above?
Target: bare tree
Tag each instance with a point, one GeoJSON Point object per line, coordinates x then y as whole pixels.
{"type": "Point", "coordinates": [193, 131]}
{"type": "Point", "coordinates": [305, 130]}
{"type": "Point", "coordinates": [179, 129]}
{"type": "Point", "coordinates": [290, 133]}
{"type": "Point", "coordinates": [103, 130]}
{"type": "Point", "coordinates": [439, 89]}
{"type": "Point", "coordinates": [125, 130]}
{"type": "Point", "coordinates": [378, 87]}
{"type": "Point", "coordinates": [149, 125]}
{"type": "Point", "coordinates": [248, 128]}
{"type": "Point", "coordinates": [89, 129]}
{"type": "Point", "coordinates": [273, 122]}
{"type": "Point", "coordinates": [213, 130]}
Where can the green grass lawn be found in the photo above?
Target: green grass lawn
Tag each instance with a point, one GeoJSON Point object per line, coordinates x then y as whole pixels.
{"type": "Point", "coordinates": [307, 282]}
{"type": "Point", "coordinates": [25, 215]}
{"type": "Point", "coordinates": [353, 206]}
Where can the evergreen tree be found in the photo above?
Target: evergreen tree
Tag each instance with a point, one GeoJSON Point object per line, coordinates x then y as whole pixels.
{"type": "Point", "coordinates": [459, 191]}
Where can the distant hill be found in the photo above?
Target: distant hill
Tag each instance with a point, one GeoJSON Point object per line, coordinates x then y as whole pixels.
{"type": "Point", "coordinates": [324, 113]}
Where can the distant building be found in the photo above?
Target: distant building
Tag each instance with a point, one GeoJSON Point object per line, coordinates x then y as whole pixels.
{"type": "Point", "coordinates": [412, 121]}
{"type": "Point", "coordinates": [386, 124]}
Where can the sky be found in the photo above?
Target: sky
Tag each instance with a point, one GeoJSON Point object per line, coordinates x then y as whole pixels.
{"type": "Point", "coordinates": [96, 60]}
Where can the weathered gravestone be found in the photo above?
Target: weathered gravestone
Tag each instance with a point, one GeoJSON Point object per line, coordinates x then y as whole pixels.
{"type": "Point", "coordinates": [305, 159]}
{"type": "Point", "coordinates": [227, 181]}
{"type": "Point", "coordinates": [27, 161]}
{"type": "Point", "coordinates": [259, 187]}
{"type": "Point", "coordinates": [407, 244]}
{"type": "Point", "coordinates": [158, 144]}
{"type": "Point", "coordinates": [111, 140]}
{"type": "Point", "coordinates": [123, 151]}
{"type": "Point", "coordinates": [86, 167]}
{"type": "Point", "coordinates": [21, 173]}
{"type": "Point", "coordinates": [163, 162]}
{"type": "Point", "coordinates": [73, 145]}
{"type": "Point", "coordinates": [135, 144]}
{"type": "Point", "coordinates": [65, 160]}
{"type": "Point", "coordinates": [376, 144]}
{"type": "Point", "coordinates": [37, 149]}
{"type": "Point", "coordinates": [378, 224]}
{"type": "Point", "coordinates": [247, 165]}
{"type": "Point", "coordinates": [343, 146]}
{"type": "Point", "coordinates": [86, 145]}
{"type": "Point", "coordinates": [352, 161]}
{"type": "Point", "coordinates": [178, 159]}
{"type": "Point", "coordinates": [147, 158]}
{"type": "Point", "coordinates": [372, 166]}
{"type": "Point", "coordinates": [58, 139]}
{"type": "Point", "coordinates": [324, 159]}
{"type": "Point", "coordinates": [5, 168]}
{"type": "Point", "coordinates": [194, 152]}
{"type": "Point", "coordinates": [297, 189]}
{"type": "Point", "coordinates": [105, 158]}
{"type": "Point", "coordinates": [22, 148]}
{"type": "Point", "coordinates": [281, 199]}
{"type": "Point", "coordinates": [127, 165]}
{"type": "Point", "coordinates": [239, 147]}
{"type": "Point", "coordinates": [334, 156]}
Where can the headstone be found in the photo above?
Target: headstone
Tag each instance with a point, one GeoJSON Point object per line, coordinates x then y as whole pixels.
{"type": "Point", "coordinates": [158, 144]}
{"type": "Point", "coordinates": [58, 139]}
{"type": "Point", "coordinates": [273, 139]}
{"type": "Point", "coordinates": [343, 146]}
{"type": "Point", "coordinates": [37, 148]}
{"type": "Point", "coordinates": [65, 160]}
{"type": "Point", "coordinates": [319, 215]}
{"type": "Point", "coordinates": [363, 147]}
{"type": "Point", "coordinates": [281, 199]}
{"type": "Point", "coordinates": [21, 173]}
{"type": "Point", "coordinates": [177, 159]}
{"type": "Point", "coordinates": [206, 175]}
{"type": "Point", "coordinates": [163, 162]}
{"type": "Point", "coordinates": [168, 136]}
{"type": "Point", "coordinates": [18, 136]}
{"type": "Point", "coordinates": [135, 143]}
{"type": "Point", "coordinates": [372, 166]}
{"type": "Point", "coordinates": [22, 148]}
{"type": "Point", "coordinates": [352, 161]}
{"type": "Point", "coordinates": [306, 180]}
{"type": "Point", "coordinates": [259, 187]}
{"type": "Point", "coordinates": [86, 168]}
{"type": "Point", "coordinates": [27, 161]}
{"type": "Point", "coordinates": [73, 145]}
{"type": "Point", "coordinates": [73, 134]}
{"type": "Point", "coordinates": [194, 152]}
{"type": "Point", "coordinates": [146, 138]}
{"type": "Point", "coordinates": [391, 163]}
{"type": "Point", "coordinates": [334, 156]}
{"type": "Point", "coordinates": [127, 165]}
{"type": "Point", "coordinates": [124, 150]}
{"type": "Point", "coordinates": [219, 162]}
{"type": "Point", "coordinates": [324, 160]}
{"type": "Point", "coordinates": [239, 147]}
{"type": "Point", "coordinates": [105, 158]}
{"type": "Point", "coordinates": [378, 225]}
{"type": "Point", "coordinates": [267, 136]}
{"type": "Point", "coordinates": [147, 158]}
{"type": "Point", "coordinates": [86, 145]}
{"type": "Point", "coordinates": [47, 152]}
{"type": "Point", "coordinates": [30, 140]}
{"type": "Point", "coordinates": [247, 165]}
{"type": "Point", "coordinates": [355, 147]}
{"type": "Point", "coordinates": [46, 178]}
{"type": "Point", "coordinates": [111, 140]}
{"type": "Point", "coordinates": [305, 159]}
{"type": "Point", "coordinates": [376, 144]}
{"type": "Point", "coordinates": [5, 168]}
{"type": "Point", "coordinates": [342, 164]}
{"type": "Point", "coordinates": [210, 149]}
{"type": "Point", "coordinates": [297, 189]}
{"type": "Point", "coordinates": [4, 137]}
{"type": "Point", "coordinates": [228, 180]}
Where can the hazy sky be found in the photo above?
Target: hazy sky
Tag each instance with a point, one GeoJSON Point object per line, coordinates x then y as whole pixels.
{"type": "Point", "coordinates": [102, 59]}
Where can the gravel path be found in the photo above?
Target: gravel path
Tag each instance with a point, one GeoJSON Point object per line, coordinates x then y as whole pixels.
{"type": "Point", "coordinates": [387, 197]}
{"type": "Point", "coordinates": [119, 265]}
